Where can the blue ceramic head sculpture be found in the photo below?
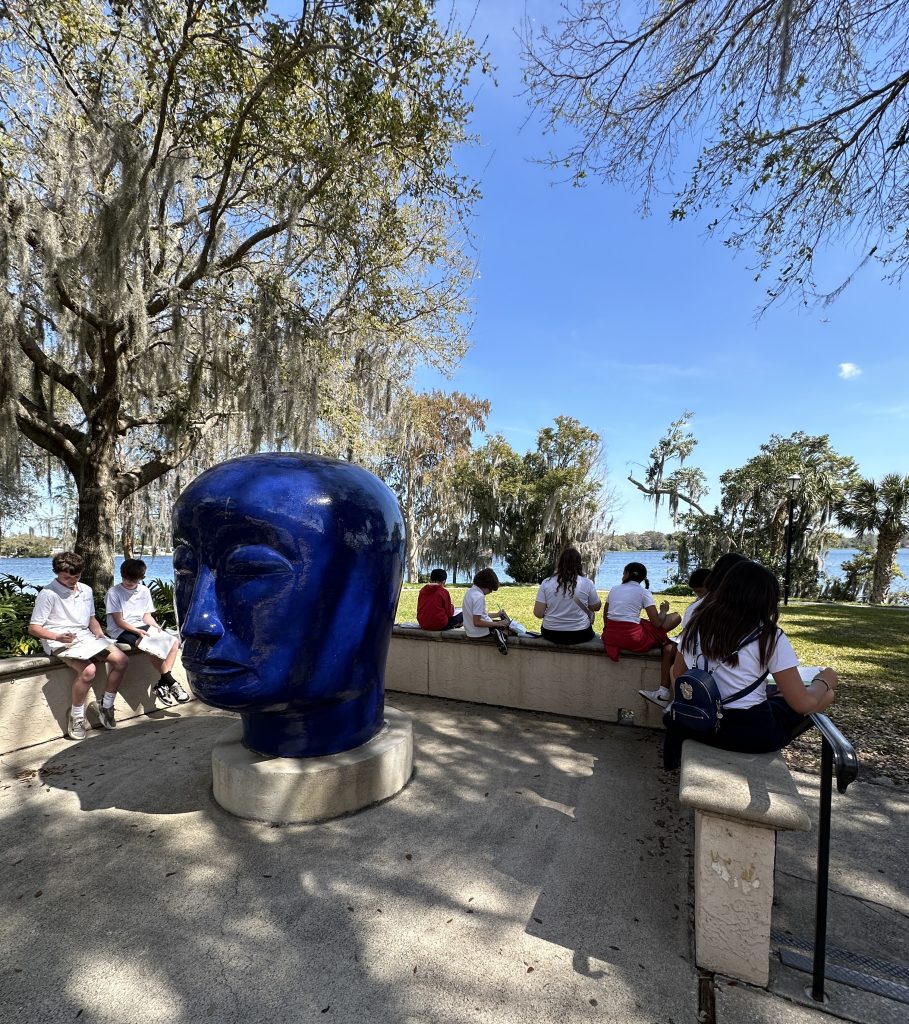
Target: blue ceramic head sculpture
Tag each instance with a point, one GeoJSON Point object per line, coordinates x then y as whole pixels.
{"type": "Point", "coordinates": [287, 572]}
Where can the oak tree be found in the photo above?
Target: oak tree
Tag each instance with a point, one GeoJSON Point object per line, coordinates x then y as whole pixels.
{"type": "Point", "coordinates": [216, 219]}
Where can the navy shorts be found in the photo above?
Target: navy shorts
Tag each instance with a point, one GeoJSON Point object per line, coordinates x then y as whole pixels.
{"type": "Point", "coordinates": [131, 639]}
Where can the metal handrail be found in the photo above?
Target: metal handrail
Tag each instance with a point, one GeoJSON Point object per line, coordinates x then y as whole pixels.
{"type": "Point", "coordinates": [837, 756]}
{"type": "Point", "coordinates": [845, 763]}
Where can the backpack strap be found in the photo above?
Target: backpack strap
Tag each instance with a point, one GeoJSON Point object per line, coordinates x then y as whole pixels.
{"type": "Point", "coordinates": [590, 615]}
{"type": "Point", "coordinates": [744, 692]}
{"type": "Point", "coordinates": [752, 636]}
{"type": "Point", "coordinates": [751, 687]}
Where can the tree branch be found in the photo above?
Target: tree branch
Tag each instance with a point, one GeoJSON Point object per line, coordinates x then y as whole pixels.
{"type": "Point", "coordinates": [652, 492]}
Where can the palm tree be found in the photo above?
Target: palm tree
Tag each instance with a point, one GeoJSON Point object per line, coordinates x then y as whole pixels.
{"type": "Point", "coordinates": [884, 508]}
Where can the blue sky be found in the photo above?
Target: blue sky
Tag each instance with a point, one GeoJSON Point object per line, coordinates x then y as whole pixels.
{"type": "Point", "coordinates": [584, 308]}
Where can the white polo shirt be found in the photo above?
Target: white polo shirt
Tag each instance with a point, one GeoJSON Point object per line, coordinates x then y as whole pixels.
{"type": "Point", "coordinates": [474, 603]}
{"type": "Point", "coordinates": [627, 601]}
{"type": "Point", "coordinates": [562, 611]}
{"type": "Point", "coordinates": [62, 610]}
{"type": "Point", "coordinates": [131, 604]}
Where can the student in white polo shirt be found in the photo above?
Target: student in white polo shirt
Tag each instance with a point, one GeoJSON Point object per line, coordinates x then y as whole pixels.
{"type": "Point", "coordinates": [64, 614]}
{"type": "Point", "coordinates": [131, 615]}
{"type": "Point", "coordinates": [478, 625]}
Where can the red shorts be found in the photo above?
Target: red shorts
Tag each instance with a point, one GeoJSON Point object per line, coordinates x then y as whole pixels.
{"type": "Point", "coordinates": [632, 636]}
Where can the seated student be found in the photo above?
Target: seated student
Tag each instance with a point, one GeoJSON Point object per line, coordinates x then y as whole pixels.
{"type": "Point", "coordinates": [627, 631]}
{"type": "Point", "coordinates": [744, 607]}
{"type": "Point", "coordinates": [434, 607]}
{"type": "Point", "coordinates": [477, 624]}
{"type": "Point", "coordinates": [566, 602]}
{"type": "Point", "coordinates": [64, 614]}
{"type": "Point", "coordinates": [703, 581]}
{"type": "Point", "coordinates": [130, 615]}
{"type": "Point", "coordinates": [698, 583]}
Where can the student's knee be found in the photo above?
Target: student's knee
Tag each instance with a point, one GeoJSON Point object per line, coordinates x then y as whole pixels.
{"type": "Point", "coordinates": [88, 672]}
{"type": "Point", "coordinates": [117, 658]}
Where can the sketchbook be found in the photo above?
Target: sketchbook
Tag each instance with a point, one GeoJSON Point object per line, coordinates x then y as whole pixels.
{"type": "Point", "coordinates": [85, 649]}
{"type": "Point", "coordinates": [158, 644]}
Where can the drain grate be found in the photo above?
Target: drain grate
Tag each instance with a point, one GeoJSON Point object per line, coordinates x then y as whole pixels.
{"type": "Point", "coordinates": [843, 966]}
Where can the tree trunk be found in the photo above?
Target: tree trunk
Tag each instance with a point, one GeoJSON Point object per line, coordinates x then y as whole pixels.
{"type": "Point", "coordinates": [96, 532]}
{"type": "Point", "coordinates": [126, 537]}
{"type": "Point", "coordinates": [887, 543]}
{"type": "Point", "coordinates": [410, 547]}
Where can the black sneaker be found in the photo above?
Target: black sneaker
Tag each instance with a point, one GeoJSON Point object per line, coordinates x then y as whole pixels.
{"type": "Point", "coordinates": [163, 695]}
{"type": "Point", "coordinates": [501, 642]}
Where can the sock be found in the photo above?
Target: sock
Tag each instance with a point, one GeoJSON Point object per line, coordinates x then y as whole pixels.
{"type": "Point", "coordinates": [108, 701]}
{"type": "Point", "coordinates": [78, 712]}
{"type": "Point", "coordinates": [166, 679]}
{"type": "Point", "coordinates": [664, 693]}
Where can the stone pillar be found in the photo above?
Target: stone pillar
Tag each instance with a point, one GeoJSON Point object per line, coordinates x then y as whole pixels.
{"type": "Point", "coordinates": [733, 896]}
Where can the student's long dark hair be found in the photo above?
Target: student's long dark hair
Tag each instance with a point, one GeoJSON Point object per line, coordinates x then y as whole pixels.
{"type": "Point", "coordinates": [721, 566]}
{"type": "Point", "coordinates": [746, 598]}
{"type": "Point", "coordinates": [568, 570]}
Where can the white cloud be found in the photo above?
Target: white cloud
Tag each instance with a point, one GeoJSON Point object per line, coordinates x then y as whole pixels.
{"type": "Point", "coordinates": [849, 370]}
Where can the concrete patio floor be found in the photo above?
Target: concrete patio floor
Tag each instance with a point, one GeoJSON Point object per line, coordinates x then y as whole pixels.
{"type": "Point", "coordinates": [535, 869]}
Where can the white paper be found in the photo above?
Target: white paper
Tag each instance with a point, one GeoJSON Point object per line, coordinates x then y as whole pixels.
{"type": "Point", "coordinates": [158, 644]}
{"type": "Point", "coordinates": [808, 673]}
{"type": "Point", "coordinates": [85, 649]}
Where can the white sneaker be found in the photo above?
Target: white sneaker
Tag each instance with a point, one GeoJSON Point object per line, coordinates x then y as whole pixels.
{"type": "Point", "coordinates": [655, 698]}
{"type": "Point", "coordinates": [178, 693]}
{"type": "Point", "coordinates": [75, 727]}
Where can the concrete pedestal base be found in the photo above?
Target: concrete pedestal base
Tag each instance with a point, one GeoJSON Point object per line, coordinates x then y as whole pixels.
{"type": "Point", "coordinates": [288, 789]}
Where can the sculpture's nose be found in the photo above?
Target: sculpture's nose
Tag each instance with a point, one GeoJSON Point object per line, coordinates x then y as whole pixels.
{"type": "Point", "coordinates": [202, 619]}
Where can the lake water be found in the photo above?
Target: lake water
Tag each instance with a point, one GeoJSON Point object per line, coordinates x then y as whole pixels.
{"type": "Point", "coordinates": [38, 570]}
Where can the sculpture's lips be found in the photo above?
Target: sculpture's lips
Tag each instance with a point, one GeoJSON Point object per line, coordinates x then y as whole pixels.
{"type": "Point", "coordinates": [213, 668]}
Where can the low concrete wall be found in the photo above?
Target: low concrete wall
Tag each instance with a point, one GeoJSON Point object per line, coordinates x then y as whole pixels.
{"type": "Point", "coordinates": [535, 675]}
{"type": "Point", "coordinates": [35, 694]}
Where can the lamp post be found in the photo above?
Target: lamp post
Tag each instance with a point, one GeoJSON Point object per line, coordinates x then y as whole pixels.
{"type": "Point", "coordinates": [793, 483]}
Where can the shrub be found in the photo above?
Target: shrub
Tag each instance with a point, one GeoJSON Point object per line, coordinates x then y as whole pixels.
{"type": "Point", "coordinates": [17, 599]}
{"type": "Point", "coordinates": [162, 594]}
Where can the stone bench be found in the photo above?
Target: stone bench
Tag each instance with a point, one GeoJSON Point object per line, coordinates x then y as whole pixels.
{"type": "Point", "coordinates": [740, 802]}
{"type": "Point", "coordinates": [35, 695]}
{"type": "Point", "coordinates": [535, 675]}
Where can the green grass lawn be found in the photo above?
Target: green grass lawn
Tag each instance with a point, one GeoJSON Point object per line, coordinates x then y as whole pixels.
{"type": "Point", "coordinates": [868, 647]}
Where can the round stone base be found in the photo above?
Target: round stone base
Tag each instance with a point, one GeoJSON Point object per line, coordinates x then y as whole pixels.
{"type": "Point", "coordinates": [306, 789]}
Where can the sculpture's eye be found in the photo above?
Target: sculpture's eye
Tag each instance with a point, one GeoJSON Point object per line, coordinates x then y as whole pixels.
{"type": "Point", "coordinates": [251, 560]}
{"type": "Point", "coordinates": [185, 561]}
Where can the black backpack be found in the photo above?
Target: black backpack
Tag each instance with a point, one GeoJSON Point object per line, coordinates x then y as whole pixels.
{"type": "Point", "coordinates": [696, 702]}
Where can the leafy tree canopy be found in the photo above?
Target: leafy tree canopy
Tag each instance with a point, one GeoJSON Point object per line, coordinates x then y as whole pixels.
{"type": "Point", "coordinates": [424, 441]}
{"type": "Point", "coordinates": [795, 115]}
{"type": "Point", "coordinates": [752, 514]}
{"type": "Point", "coordinates": [210, 215]}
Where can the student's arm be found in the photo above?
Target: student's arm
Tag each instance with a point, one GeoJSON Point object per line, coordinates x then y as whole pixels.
{"type": "Point", "coordinates": [605, 613]}
{"type": "Point", "coordinates": [654, 615]}
{"type": "Point", "coordinates": [149, 620]}
{"type": "Point", "coordinates": [539, 609]}
{"type": "Point", "coordinates": [124, 625]}
{"type": "Point", "coordinates": [596, 603]}
{"type": "Point", "coordinates": [807, 699]}
{"type": "Point", "coordinates": [95, 626]}
{"type": "Point", "coordinates": [664, 618]}
{"type": "Point", "coordinates": [48, 634]}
